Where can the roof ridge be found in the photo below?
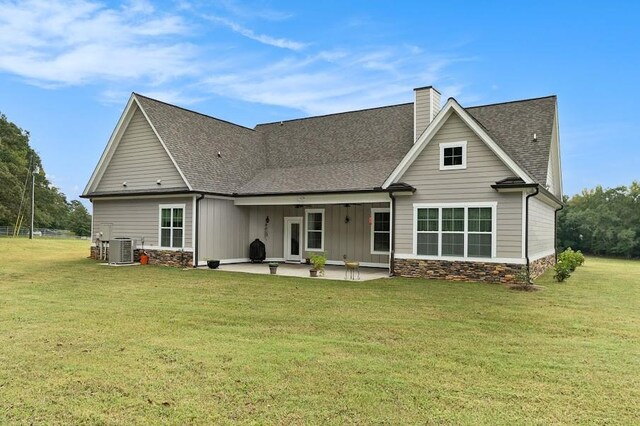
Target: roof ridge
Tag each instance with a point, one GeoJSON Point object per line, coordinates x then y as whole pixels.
{"type": "Point", "coordinates": [193, 111]}
{"type": "Point", "coordinates": [512, 102]}
{"type": "Point", "coordinates": [335, 113]}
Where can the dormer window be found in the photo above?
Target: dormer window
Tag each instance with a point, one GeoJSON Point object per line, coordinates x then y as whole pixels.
{"type": "Point", "coordinates": [453, 155]}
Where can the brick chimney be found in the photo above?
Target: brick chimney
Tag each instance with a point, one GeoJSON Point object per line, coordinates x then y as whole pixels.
{"type": "Point", "coordinates": [425, 108]}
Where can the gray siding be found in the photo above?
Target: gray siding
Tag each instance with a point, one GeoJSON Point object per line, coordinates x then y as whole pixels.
{"type": "Point", "coordinates": [427, 105]}
{"type": "Point", "coordinates": [223, 229]}
{"type": "Point", "coordinates": [140, 160]}
{"type": "Point", "coordinates": [137, 218]}
{"type": "Point", "coordinates": [541, 228]}
{"type": "Point", "coordinates": [352, 239]}
{"type": "Point", "coordinates": [472, 184]}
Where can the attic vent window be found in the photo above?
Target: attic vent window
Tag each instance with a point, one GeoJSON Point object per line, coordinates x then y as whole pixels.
{"type": "Point", "coordinates": [453, 155]}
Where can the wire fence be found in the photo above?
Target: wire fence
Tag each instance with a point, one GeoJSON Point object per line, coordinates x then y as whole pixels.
{"type": "Point", "coordinates": [9, 231]}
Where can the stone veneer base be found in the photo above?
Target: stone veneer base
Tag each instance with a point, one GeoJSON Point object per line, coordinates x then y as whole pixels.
{"type": "Point", "coordinates": [506, 273]}
{"type": "Point", "coordinates": [539, 266]}
{"type": "Point", "coordinates": [180, 259]}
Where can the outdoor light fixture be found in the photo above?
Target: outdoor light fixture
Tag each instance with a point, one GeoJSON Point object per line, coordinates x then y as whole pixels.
{"type": "Point", "coordinates": [159, 182]}
{"type": "Point", "coordinates": [124, 183]}
{"type": "Point", "coordinates": [267, 220]}
{"type": "Point", "coordinates": [347, 219]}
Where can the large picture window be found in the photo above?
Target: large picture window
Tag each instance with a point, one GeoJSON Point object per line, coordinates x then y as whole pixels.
{"type": "Point", "coordinates": [380, 231]}
{"type": "Point", "coordinates": [315, 229]}
{"type": "Point", "coordinates": [455, 230]}
{"type": "Point", "coordinates": [172, 226]}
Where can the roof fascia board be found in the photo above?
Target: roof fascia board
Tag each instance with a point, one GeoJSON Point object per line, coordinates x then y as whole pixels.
{"type": "Point", "coordinates": [453, 106]}
{"type": "Point", "coordinates": [366, 197]}
{"type": "Point", "coordinates": [186, 182]}
{"type": "Point", "coordinates": [114, 140]}
{"type": "Point", "coordinates": [556, 126]}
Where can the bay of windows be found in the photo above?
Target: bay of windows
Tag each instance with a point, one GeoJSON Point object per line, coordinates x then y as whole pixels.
{"type": "Point", "coordinates": [454, 231]}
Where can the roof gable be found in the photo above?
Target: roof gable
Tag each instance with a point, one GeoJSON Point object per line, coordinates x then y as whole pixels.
{"type": "Point", "coordinates": [452, 107]}
{"type": "Point", "coordinates": [215, 156]}
{"type": "Point", "coordinates": [141, 170]}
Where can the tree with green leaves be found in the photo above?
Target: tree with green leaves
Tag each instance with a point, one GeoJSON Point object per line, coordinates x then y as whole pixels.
{"type": "Point", "coordinates": [602, 221]}
{"type": "Point", "coordinates": [17, 162]}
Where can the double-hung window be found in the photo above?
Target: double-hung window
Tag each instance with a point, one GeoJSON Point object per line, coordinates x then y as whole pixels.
{"type": "Point", "coordinates": [315, 229]}
{"type": "Point", "coordinates": [172, 225]}
{"type": "Point", "coordinates": [380, 231]}
{"type": "Point", "coordinates": [455, 230]}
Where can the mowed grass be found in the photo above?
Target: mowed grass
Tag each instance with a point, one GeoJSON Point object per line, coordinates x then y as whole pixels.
{"type": "Point", "coordinates": [84, 343]}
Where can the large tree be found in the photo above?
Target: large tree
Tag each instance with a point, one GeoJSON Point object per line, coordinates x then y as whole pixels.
{"type": "Point", "coordinates": [17, 161]}
{"type": "Point", "coordinates": [603, 221]}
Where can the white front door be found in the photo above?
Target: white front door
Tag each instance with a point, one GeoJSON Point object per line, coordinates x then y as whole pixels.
{"type": "Point", "coordinates": [293, 239]}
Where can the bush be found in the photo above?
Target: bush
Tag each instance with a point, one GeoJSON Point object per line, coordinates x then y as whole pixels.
{"type": "Point", "coordinates": [562, 271]}
{"type": "Point", "coordinates": [318, 261]}
{"type": "Point", "coordinates": [571, 259]}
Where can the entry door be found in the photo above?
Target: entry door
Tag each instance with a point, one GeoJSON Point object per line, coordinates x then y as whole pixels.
{"type": "Point", "coordinates": [293, 239]}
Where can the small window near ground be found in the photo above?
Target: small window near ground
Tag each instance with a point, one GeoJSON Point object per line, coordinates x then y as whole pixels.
{"type": "Point", "coordinates": [453, 155]}
{"type": "Point", "coordinates": [172, 226]}
{"type": "Point", "coordinates": [315, 230]}
{"type": "Point", "coordinates": [380, 231]}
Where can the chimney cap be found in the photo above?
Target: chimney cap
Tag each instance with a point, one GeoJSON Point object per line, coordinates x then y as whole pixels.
{"type": "Point", "coordinates": [425, 88]}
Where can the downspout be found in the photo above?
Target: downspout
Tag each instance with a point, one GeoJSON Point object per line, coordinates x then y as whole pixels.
{"type": "Point", "coordinates": [195, 247]}
{"type": "Point", "coordinates": [392, 250]}
{"type": "Point", "coordinates": [555, 231]}
{"type": "Point", "coordinates": [526, 231]}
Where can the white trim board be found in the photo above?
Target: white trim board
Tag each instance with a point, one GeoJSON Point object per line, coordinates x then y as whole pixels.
{"type": "Point", "coordinates": [514, 260]}
{"type": "Point", "coordinates": [451, 107]}
{"type": "Point", "coordinates": [276, 200]}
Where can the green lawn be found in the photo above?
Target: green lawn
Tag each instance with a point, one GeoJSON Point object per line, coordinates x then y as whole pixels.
{"type": "Point", "coordinates": [84, 343]}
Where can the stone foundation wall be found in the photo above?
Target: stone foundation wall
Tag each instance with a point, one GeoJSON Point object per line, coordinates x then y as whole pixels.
{"type": "Point", "coordinates": [539, 266]}
{"type": "Point", "coordinates": [459, 271]}
{"type": "Point", "coordinates": [156, 257]}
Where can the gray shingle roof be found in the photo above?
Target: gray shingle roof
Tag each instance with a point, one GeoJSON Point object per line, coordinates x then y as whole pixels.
{"type": "Point", "coordinates": [512, 126]}
{"type": "Point", "coordinates": [338, 152]}
{"type": "Point", "coordinates": [194, 141]}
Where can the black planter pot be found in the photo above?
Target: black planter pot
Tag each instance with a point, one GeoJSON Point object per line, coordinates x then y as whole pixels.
{"type": "Point", "coordinates": [213, 264]}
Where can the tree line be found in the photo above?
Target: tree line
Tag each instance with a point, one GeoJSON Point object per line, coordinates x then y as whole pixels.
{"type": "Point", "coordinates": [602, 221]}
{"type": "Point", "coordinates": [17, 162]}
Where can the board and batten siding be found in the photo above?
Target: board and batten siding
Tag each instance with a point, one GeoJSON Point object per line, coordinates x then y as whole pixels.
{"type": "Point", "coordinates": [472, 184]}
{"type": "Point", "coordinates": [140, 160]}
{"type": "Point", "coordinates": [352, 239]}
{"type": "Point", "coordinates": [541, 229]}
{"type": "Point", "coordinates": [137, 218]}
{"type": "Point", "coordinates": [223, 229]}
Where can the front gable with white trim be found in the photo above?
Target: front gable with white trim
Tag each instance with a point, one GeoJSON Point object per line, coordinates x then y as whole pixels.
{"type": "Point", "coordinates": [468, 185]}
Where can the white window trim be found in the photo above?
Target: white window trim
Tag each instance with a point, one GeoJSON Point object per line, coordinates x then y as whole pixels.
{"type": "Point", "coordinates": [184, 227]}
{"type": "Point", "coordinates": [494, 229]}
{"type": "Point", "coordinates": [306, 230]}
{"type": "Point", "coordinates": [373, 226]}
{"type": "Point", "coordinates": [444, 145]}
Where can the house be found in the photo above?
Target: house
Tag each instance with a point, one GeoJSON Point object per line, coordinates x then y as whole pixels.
{"type": "Point", "coordinates": [451, 192]}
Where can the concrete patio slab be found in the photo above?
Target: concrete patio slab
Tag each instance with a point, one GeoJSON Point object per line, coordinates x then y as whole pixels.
{"type": "Point", "coordinates": [332, 272]}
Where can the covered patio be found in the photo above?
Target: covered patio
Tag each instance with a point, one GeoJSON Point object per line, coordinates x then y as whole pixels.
{"type": "Point", "coordinates": [332, 272]}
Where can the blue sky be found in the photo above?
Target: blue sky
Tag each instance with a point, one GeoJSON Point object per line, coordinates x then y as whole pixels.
{"type": "Point", "coordinates": [68, 68]}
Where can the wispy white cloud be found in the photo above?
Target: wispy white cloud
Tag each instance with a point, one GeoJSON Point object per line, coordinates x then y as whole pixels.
{"type": "Point", "coordinates": [333, 80]}
{"type": "Point", "coordinates": [252, 11]}
{"type": "Point", "coordinates": [283, 43]}
{"type": "Point", "coordinates": [53, 42]}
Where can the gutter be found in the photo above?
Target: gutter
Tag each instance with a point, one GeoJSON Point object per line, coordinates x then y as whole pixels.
{"type": "Point", "coordinates": [555, 230]}
{"type": "Point", "coordinates": [392, 250]}
{"type": "Point", "coordinates": [526, 231]}
{"type": "Point", "coordinates": [195, 244]}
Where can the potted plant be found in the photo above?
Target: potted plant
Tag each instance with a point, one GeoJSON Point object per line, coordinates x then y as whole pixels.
{"type": "Point", "coordinates": [144, 257]}
{"type": "Point", "coordinates": [273, 267]}
{"type": "Point", "coordinates": [318, 260]}
{"type": "Point", "coordinates": [213, 264]}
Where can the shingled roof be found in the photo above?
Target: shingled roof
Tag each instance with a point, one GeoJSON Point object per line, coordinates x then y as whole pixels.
{"type": "Point", "coordinates": [512, 126]}
{"type": "Point", "coordinates": [350, 151]}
